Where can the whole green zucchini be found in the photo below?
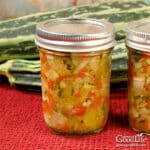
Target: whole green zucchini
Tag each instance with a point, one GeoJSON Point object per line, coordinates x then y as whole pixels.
{"type": "Point", "coordinates": [112, 16]}
{"type": "Point", "coordinates": [25, 81]}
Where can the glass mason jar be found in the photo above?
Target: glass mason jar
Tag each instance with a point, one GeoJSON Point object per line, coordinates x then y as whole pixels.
{"type": "Point", "coordinates": [75, 59]}
{"type": "Point", "coordinates": [138, 44]}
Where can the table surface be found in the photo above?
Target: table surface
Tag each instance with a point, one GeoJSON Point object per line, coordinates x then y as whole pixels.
{"type": "Point", "coordinates": [22, 126]}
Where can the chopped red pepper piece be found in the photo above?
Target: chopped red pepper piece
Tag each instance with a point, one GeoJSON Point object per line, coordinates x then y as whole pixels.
{"type": "Point", "coordinates": [46, 107]}
{"type": "Point", "coordinates": [148, 104]}
{"type": "Point", "coordinates": [82, 73]}
{"type": "Point", "coordinates": [43, 58]}
{"type": "Point", "coordinates": [51, 100]}
{"type": "Point", "coordinates": [144, 125]}
{"type": "Point", "coordinates": [148, 87]}
{"type": "Point", "coordinates": [77, 94]}
{"type": "Point", "coordinates": [96, 102]}
{"type": "Point", "coordinates": [98, 83]}
{"type": "Point", "coordinates": [50, 84]}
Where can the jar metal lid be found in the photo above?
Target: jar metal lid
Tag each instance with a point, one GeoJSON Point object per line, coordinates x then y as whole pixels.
{"type": "Point", "coordinates": [75, 35]}
{"type": "Point", "coordinates": [138, 35]}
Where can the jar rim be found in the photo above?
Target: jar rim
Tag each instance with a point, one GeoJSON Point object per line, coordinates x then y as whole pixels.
{"type": "Point", "coordinates": [74, 35]}
{"type": "Point", "coordinates": [138, 35]}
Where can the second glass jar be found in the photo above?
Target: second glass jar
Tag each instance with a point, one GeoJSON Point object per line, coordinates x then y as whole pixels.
{"type": "Point", "coordinates": [138, 43]}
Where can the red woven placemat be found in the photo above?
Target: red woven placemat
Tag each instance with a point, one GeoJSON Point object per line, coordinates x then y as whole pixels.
{"type": "Point", "coordinates": [22, 126]}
